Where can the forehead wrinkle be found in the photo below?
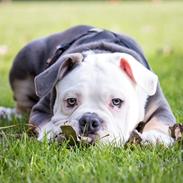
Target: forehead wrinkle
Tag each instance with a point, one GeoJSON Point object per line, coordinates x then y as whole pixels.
{"type": "Point", "coordinates": [101, 86]}
{"type": "Point", "coordinates": [86, 73]}
{"type": "Point", "coordinates": [95, 76]}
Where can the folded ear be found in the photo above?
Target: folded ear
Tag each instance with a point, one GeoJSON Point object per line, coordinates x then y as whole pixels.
{"type": "Point", "coordinates": [139, 74]}
{"type": "Point", "coordinates": [46, 80]}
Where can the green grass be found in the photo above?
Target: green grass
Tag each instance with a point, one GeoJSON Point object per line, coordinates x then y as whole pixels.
{"type": "Point", "coordinates": [155, 27]}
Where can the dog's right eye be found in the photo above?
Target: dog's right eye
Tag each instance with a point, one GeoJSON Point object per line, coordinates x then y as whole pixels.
{"type": "Point", "coordinates": [71, 102]}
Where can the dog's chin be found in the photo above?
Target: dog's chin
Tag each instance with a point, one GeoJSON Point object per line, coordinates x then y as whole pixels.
{"type": "Point", "coordinates": [89, 139]}
{"type": "Point", "coordinates": [100, 137]}
{"type": "Point", "coordinates": [74, 136]}
{"type": "Point", "coordinates": [80, 140]}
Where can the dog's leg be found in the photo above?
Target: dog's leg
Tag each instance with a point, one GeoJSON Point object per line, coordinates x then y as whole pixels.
{"type": "Point", "coordinates": [158, 119]}
{"type": "Point", "coordinates": [25, 97]}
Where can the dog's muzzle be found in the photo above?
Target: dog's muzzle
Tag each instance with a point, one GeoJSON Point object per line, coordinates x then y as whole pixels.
{"type": "Point", "coordinates": [89, 124]}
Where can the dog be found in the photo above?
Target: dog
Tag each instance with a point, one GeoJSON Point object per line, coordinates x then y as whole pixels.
{"type": "Point", "coordinates": [97, 80]}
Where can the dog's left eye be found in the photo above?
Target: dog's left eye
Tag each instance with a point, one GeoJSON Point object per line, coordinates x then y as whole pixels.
{"type": "Point", "coordinates": [117, 102]}
{"type": "Point", "coordinates": [71, 102]}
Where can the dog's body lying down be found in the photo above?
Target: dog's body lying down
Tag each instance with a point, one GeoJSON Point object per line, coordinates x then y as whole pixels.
{"type": "Point", "coordinates": [97, 80]}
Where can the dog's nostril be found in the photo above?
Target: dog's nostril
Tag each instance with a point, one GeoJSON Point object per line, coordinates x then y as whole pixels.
{"type": "Point", "coordinates": [95, 124]}
{"type": "Point", "coordinates": [82, 122]}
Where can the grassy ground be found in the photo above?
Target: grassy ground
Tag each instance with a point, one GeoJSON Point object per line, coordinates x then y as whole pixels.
{"type": "Point", "coordinates": [158, 28]}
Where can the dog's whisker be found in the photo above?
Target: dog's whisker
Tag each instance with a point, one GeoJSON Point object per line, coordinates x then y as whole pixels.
{"type": "Point", "coordinates": [104, 136]}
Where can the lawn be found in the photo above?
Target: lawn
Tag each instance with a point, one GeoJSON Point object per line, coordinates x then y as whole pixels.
{"type": "Point", "coordinates": [158, 28]}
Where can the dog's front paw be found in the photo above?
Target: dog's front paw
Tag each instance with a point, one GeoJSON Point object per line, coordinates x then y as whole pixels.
{"type": "Point", "coordinates": [176, 131]}
{"type": "Point", "coordinates": [8, 113]}
{"type": "Point", "coordinates": [5, 113]}
{"type": "Point", "coordinates": [48, 131]}
{"type": "Point", "coordinates": [155, 137]}
{"type": "Point", "coordinates": [135, 138]}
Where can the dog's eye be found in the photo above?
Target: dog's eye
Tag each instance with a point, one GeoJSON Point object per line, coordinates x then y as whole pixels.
{"type": "Point", "coordinates": [117, 102]}
{"type": "Point", "coordinates": [71, 102]}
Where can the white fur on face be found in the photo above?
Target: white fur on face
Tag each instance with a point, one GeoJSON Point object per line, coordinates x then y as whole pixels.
{"type": "Point", "coordinates": [94, 83]}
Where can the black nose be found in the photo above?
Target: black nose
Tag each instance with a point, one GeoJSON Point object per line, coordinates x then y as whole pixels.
{"type": "Point", "coordinates": [89, 123]}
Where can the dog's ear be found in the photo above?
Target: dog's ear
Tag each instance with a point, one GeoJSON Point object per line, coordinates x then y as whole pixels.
{"type": "Point", "coordinates": [145, 78]}
{"type": "Point", "coordinates": [47, 80]}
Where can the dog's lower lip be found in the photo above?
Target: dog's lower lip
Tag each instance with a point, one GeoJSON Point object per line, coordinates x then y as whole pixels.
{"type": "Point", "coordinates": [90, 139]}
{"type": "Point", "coordinates": [86, 139]}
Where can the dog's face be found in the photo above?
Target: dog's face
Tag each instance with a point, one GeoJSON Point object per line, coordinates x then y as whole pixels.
{"type": "Point", "coordinates": [104, 96]}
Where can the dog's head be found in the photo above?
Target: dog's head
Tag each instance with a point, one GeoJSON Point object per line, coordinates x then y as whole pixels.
{"type": "Point", "coordinates": [101, 94]}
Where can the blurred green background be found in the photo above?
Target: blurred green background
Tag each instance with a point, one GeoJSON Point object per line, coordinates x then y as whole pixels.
{"type": "Point", "coordinates": [156, 25]}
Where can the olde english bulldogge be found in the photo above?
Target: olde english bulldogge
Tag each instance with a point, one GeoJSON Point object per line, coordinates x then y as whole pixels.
{"type": "Point", "coordinates": [98, 81]}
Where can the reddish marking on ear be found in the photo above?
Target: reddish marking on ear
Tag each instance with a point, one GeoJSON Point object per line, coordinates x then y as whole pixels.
{"type": "Point", "coordinates": [126, 67]}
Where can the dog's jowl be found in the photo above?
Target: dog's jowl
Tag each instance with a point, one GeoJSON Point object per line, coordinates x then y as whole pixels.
{"type": "Point", "coordinates": [97, 81]}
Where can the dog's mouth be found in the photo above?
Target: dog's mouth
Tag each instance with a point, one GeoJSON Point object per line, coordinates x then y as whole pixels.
{"type": "Point", "coordinates": [69, 134]}
{"type": "Point", "coordinates": [72, 137]}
